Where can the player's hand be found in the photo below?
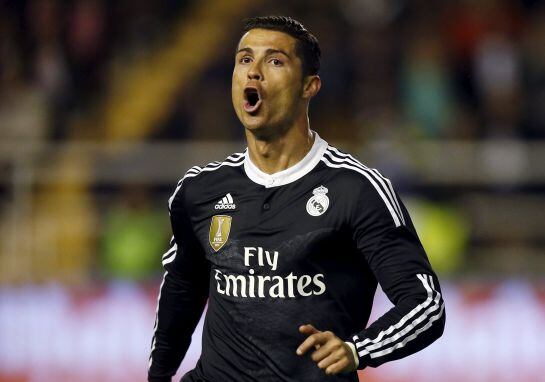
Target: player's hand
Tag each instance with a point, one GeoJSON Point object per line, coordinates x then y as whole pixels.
{"type": "Point", "coordinates": [332, 354]}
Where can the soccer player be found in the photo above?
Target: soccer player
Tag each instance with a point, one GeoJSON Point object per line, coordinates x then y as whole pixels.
{"type": "Point", "coordinates": [287, 242]}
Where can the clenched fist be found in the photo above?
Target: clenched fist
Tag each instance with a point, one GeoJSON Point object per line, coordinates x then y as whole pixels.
{"type": "Point", "coordinates": [332, 354]}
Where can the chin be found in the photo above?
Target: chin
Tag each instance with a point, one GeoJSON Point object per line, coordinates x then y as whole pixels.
{"type": "Point", "coordinates": [254, 126]}
{"type": "Point", "coordinates": [263, 131]}
{"type": "Point", "coordinates": [253, 123]}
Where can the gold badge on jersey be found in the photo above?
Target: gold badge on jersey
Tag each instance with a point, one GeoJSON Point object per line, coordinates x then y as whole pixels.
{"type": "Point", "coordinates": [220, 226]}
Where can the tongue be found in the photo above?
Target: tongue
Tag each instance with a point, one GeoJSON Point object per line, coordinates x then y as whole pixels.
{"type": "Point", "coordinates": [249, 108]}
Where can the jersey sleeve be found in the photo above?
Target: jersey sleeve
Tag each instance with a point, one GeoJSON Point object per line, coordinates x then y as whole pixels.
{"type": "Point", "coordinates": [385, 235]}
{"type": "Point", "coordinates": [182, 296]}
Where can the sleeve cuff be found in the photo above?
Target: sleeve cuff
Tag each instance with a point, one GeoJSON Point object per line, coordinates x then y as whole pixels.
{"type": "Point", "coordinates": [354, 353]}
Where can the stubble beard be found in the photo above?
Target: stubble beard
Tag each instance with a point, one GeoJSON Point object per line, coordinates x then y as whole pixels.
{"type": "Point", "coordinates": [269, 130]}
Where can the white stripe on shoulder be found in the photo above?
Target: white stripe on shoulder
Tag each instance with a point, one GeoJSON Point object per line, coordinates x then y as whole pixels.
{"type": "Point", "coordinates": [233, 160]}
{"type": "Point", "coordinates": [372, 180]}
{"type": "Point", "coordinates": [383, 181]}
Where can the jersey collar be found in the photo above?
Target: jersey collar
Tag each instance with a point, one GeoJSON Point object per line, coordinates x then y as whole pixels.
{"type": "Point", "coordinates": [291, 174]}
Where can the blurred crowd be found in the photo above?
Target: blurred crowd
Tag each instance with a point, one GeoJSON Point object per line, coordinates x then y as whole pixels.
{"type": "Point", "coordinates": [458, 69]}
{"type": "Point", "coordinates": [55, 56]}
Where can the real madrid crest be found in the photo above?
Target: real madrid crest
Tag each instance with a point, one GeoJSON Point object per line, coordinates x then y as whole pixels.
{"type": "Point", "coordinates": [318, 203]}
{"type": "Point", "coordinates": [220, 226]}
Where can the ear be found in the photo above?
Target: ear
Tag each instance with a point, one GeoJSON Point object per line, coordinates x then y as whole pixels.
{"type": "Point", "coordinates": [311, 86]}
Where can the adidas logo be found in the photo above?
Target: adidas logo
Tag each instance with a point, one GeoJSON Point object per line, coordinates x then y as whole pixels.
{"type": "Point", "coordinates": [226, 203]}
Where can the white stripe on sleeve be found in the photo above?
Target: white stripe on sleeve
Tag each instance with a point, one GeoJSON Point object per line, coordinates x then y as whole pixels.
{"type": "Point", "coordinates": [385, 337]}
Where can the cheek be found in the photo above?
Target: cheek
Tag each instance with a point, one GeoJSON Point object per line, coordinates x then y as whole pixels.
{"type": "Point", "coordinates": [237, 79]}
{"type": "Point", "coordinates": [289, 94]}
{"type": "Point", "coordinates": [290, 86]}
{"type": "Point", "coordinates": [236, 89]}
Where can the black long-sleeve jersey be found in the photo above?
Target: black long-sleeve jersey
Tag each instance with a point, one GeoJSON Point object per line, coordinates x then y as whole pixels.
{"type": "Point", "coordinates": [272, 252]}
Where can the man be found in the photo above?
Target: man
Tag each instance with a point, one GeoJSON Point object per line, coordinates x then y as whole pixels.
{"type": "Point", "coordinates": [287, 241]}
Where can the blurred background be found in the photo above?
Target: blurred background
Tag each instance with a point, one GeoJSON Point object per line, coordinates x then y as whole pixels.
{"type": "Point", "coordinates": [105, 104]}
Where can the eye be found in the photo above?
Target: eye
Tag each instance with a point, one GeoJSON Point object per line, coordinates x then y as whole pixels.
{"type": "Point", "coordinates": [276, 62]}
{"type": "Point", "coordinates": [245, 60]}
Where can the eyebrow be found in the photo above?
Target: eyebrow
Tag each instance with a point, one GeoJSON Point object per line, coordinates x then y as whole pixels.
{"type": "Point", "coordinates": [267, 52]}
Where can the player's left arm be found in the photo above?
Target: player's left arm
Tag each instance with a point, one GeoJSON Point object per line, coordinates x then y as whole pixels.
{"type": "Point", "coordinates": [384, 234]}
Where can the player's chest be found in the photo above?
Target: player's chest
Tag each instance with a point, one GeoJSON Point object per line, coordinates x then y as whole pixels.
{"type": "Point", "coordinates": [262, 224]}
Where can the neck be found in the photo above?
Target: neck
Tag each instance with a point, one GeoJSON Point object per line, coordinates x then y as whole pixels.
{"type": "Point", "coordinates": [279, 151]}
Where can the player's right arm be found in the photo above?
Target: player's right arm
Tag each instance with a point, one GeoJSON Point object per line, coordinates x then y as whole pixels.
{"type": "Point", "coordinates": [183, 293]}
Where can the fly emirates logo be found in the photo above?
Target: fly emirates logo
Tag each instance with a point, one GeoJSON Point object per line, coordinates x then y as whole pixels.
{"type": "Point", "coordinates": [259, 286]}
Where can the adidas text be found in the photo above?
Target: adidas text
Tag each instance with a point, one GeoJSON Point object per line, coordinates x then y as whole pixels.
{"type": "Point", "coordinates": [226, 203]}
{"type": "Point", "coordinates": [220, 206]}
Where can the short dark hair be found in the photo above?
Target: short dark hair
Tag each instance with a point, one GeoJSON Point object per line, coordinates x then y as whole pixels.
{"type": "Point", "coordinates": [307, 48]}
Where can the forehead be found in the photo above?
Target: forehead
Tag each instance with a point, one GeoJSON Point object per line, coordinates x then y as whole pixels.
{"type": "Point", "coordinates": [264, 39]}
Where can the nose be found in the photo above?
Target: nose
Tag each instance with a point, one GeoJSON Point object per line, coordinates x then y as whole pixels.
{"type": "Point", "coordinates": [254, 73]}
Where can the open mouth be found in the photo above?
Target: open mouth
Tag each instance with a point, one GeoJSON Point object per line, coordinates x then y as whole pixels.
{"type": "Point", "coordinates": [252, 100]}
